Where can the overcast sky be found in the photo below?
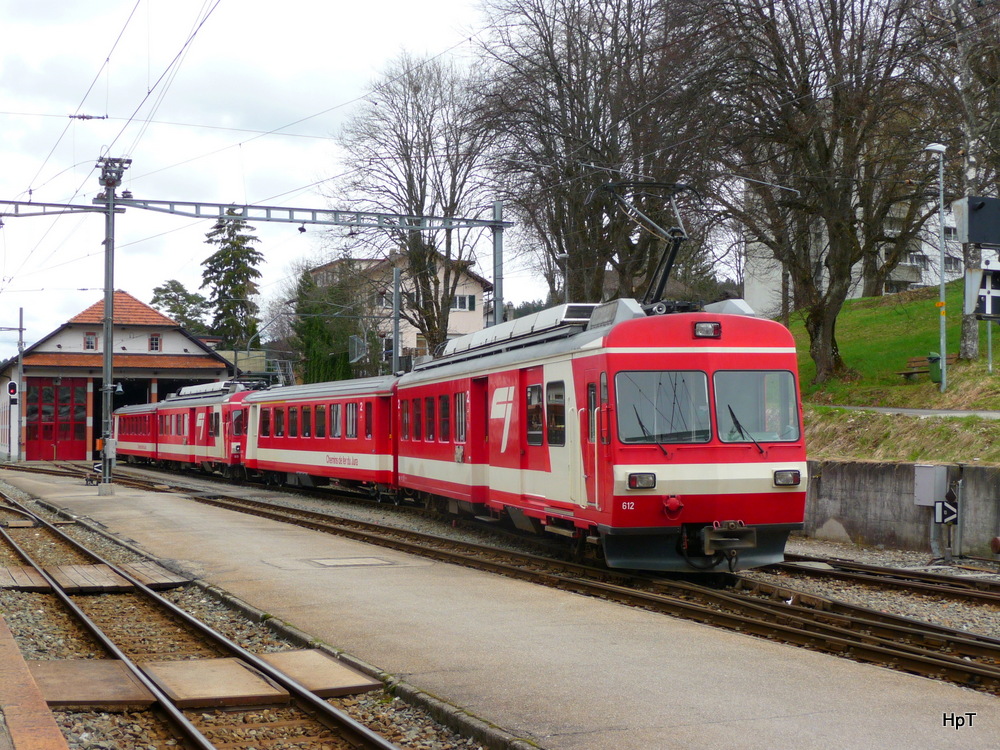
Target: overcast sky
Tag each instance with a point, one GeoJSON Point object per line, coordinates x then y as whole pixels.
{"type": "Point", "coordinates": [245, 115]}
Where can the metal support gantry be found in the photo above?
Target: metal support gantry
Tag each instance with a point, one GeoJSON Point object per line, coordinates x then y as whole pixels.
{"type": "Point", "coordinates": [108, 202]}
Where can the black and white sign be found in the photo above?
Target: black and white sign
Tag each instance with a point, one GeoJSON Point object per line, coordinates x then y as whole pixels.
{"type": "Point", "coordinates": [988, 303]}
{"type": "Point", "coordinates": [946, 512]}
{"type": "Point", "coordinates": [982, 293]}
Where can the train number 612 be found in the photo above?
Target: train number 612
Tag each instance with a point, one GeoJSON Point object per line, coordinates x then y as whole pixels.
{"type": "Point", "coordinates": [628, 505]}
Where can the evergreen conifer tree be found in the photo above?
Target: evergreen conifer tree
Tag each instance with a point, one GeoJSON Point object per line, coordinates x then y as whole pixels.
{"type": "Point", "coordinates": [231, 274]}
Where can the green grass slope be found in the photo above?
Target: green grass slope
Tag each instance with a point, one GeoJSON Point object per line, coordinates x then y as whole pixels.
{"type": "Point", "coordinates": [876, 337]}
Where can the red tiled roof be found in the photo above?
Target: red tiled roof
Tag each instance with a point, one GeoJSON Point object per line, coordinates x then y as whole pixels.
{"type": "Point", "coordinates": [125, 361]}
{"type": "Point", "coordinates": [128, 311]}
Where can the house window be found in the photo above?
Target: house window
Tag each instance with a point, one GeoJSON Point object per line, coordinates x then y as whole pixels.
{"type": "Point", "coordinates": [90, 342]}
{"type": "Point", "coordinates": [463, 302]}
{"type": "Point", "coordinates": [155, 343]}
{"type": "Point", "coordinates": [952, 264]}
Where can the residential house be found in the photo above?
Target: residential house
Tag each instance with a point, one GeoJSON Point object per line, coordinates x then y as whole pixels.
{"type": "Point", "coordinates": [57, 412]}
{"type": "Point", "coordinates": [469, 304]}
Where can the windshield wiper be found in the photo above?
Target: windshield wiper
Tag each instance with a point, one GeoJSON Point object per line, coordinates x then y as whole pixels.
{"type": "Point", "coordinates": [746, 435]}
{"type": "Point", "coordinates": [646, 432]}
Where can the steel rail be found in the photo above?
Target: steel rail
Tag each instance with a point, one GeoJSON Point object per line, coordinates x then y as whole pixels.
{"type": "Point", "coordinates": [358, 732]}
{"type": "Point", "coordinates": [831, 632]}
{"type": "Point", "coordinates": [987, 592]}
{"type": "Point", "coordinates": [176, 717]}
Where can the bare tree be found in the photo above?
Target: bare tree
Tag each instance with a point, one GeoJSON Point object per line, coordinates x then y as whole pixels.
{"type": "Point", "coordinates": [961, 56]}
{"type": "Point", "coordinates": [412, 149]}
{"type": "Point", "coordinates": [819, 104]}
{"type": "Point", "coordinates": [582, 93]}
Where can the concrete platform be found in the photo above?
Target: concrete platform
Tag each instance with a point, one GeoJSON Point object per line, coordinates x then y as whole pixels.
{"type": "Point", "coordinates": [565, 671]}
{"type": "Point", "coordinates": [26, 723]}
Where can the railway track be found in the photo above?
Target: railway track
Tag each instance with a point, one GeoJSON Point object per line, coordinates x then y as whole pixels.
{"type": "Point", "coordinates": [969, 588]}
{"type": "Point", "coordinates": [146, 632]}
{"type": "Point", "coordinates": [775, 612]}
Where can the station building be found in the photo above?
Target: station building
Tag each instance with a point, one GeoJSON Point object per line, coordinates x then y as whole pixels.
{"type": "Point", "coordinates": [56, 412]}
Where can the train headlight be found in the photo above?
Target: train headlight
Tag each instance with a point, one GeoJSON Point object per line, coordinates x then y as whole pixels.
{"type": "Point", "coordinates": [710, 330]}
{"type": "Point", "coordinates": [787, 478]}
{"type": "Point", "coordinates": [646, 481]}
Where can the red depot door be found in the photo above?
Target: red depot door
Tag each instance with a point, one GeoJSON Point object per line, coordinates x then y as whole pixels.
{"type": "Point", "coordinates": [55, 412]}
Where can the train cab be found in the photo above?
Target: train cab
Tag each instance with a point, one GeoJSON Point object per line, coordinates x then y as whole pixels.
{"type": "Point", "coordinates": [705, 453]}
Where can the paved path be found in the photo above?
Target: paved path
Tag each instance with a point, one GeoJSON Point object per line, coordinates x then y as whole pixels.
{"type": "Point", "coordinates": [985, 414]}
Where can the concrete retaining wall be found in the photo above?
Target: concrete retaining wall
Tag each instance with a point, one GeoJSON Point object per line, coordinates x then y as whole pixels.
{"type": "Point", "coordinates": [873, 503]}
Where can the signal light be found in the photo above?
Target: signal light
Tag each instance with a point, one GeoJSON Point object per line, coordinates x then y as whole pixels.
{"type": "Point", "coordinates": [787, 478]}
{"type": "Point", "coordinates": [643, 481]}
{"type": "Point", "coordinates": [12, 388]}
{"type": "Point", "coordinates": [705, 330]}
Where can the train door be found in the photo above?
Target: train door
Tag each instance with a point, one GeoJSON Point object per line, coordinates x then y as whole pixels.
{"type": "Point", "coordinates": [504, 430]}
{"type": "Point", "coordinates": [478, 439]}
{"type": "Point", "coordinates": [535, 466]}
{"type": "Point", "coordinates": [56, 419]}
{"type": "Point", "coordinates": [595, 436]}
{"type": "Point", "coordinates": [588, 421]}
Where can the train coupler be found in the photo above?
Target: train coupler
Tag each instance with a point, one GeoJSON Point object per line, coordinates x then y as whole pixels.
{"type": "Point", "coordinates": [723, 536]}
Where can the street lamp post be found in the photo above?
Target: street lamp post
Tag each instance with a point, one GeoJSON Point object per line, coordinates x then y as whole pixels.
{"type": "Point", "coordinates": [564, 257]}
{"type": "Point", "coordinates": [939, 149]}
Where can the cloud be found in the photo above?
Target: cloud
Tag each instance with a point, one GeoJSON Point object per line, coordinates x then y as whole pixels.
{"type": "Point", "coordinates": [253, 67]}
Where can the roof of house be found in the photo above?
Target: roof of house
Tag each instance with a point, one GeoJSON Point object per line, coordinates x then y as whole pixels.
{"type": "Point", "coordinates": [125, 361]}
{"type": "Point", "coordinates": [127, 311]}
{"type": "Point", "coordinates": [370, 264]}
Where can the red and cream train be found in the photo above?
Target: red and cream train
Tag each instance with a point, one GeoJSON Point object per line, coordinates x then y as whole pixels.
{"type": "Point", "coordinates": [674, 442]}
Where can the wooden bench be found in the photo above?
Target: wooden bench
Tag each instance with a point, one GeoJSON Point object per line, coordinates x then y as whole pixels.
{"type": "Point", "coordinates": [922, 365]}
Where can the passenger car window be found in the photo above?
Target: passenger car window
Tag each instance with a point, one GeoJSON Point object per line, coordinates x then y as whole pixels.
{"type": "Point", "coordinates": [555, 410]}
{"type": "Point", "coordinates": [534, 414]}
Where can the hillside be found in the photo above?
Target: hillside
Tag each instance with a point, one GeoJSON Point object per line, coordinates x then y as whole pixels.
{"type": "Point", "coordinates": [876, 336]}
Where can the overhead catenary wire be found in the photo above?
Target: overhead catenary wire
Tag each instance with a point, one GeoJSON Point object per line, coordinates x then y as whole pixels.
{"type": "Point", "coordinates": [198, 25]}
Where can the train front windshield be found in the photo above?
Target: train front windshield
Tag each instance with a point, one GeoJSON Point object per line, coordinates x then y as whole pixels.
{"type": "Point", "coordinates": [672, 406]}
{"type": "Point", "coordinates": [663, 407]}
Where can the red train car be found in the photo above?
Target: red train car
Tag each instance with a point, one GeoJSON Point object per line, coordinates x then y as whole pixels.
{"type": "Point", "coordinates": [672, 441]}
{"type": "Point", "coordinates": [202, 425]}
{"type": "Point", "coordinates": [135, 432]}
{"type": "Point", "coordinates": [667, 442]}
{"type": "Point", "coordinates": [310, 434]}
